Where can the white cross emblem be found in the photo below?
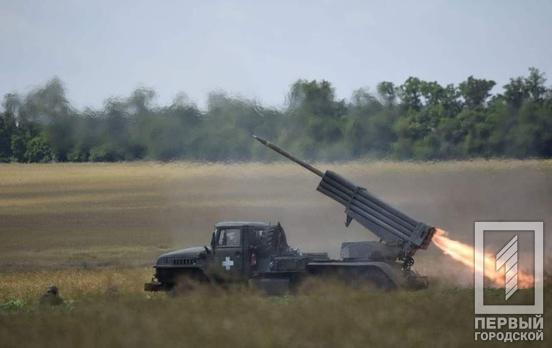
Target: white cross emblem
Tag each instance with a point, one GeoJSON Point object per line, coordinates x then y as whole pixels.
{"type": "Point", "coordinates": [227, 263]}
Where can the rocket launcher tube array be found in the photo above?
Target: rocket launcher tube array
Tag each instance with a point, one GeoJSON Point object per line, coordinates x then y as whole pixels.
{"type": "Point", "coordinates": [388, 223]}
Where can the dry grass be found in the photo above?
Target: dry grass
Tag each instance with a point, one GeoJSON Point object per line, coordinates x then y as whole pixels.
{"type": "Point", "coordinates": [74, 283]}
{"type": "Point", "coordinates": [321, 315]}
{"type": "Point", "coordinates": [94, 229]}
{"type": "Point", "coordinates": [330, 317]}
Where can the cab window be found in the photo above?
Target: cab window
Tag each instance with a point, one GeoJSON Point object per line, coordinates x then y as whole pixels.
{"type": "Point", "coordinates": [229, 237]}
{"type": "Point", "coordinates": [256, 236]}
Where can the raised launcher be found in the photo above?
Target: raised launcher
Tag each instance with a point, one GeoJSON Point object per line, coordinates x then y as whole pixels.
{"type": "Point", "coordinates": [400, 235]}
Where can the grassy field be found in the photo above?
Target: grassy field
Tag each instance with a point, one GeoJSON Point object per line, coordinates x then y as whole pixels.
{"type": "Point", "coordinates": [95, 229]}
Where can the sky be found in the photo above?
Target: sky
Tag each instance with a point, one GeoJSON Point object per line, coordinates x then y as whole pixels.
{"type": "Point", "coordinates": [257, 49]}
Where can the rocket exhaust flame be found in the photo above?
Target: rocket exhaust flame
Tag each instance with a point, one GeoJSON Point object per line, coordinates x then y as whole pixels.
{"type": "Point", "coordinates": [464, 254]}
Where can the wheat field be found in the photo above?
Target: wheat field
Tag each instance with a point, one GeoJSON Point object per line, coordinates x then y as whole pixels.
{"type": "Point", "coordinates": [94, 230]}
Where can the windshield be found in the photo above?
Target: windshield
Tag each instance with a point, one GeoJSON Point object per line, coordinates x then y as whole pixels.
{"type": "Point", "coordinates": [229, 237]}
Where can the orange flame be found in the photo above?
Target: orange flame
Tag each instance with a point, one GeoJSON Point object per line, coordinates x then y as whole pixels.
{"type": "Point", "coordinates": [465, 254]}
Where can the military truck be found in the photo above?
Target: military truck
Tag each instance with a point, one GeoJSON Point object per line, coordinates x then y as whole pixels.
{"type": "Point", "coordinates": [258, 253]}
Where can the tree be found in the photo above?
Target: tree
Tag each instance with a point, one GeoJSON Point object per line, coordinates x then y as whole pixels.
{"type": "Point", "coordinates": [387, 92]}
{"type": "Point", "coordinates": [315, 117]}
{"type": "Point", "coordinates": [19, 146]}
{"type": "Point", "coordinates": [7, 128]}
{"type": "Point", "coordinates": [48, 107]}
{"type": "Point", "coordinates": [534, 85]}
{"type": "Point", "coordinates": [475, 91]}
{"type": "Point", "coordinates": [37, 150]}
{"type": "Point", "coordinates": [411, 94]}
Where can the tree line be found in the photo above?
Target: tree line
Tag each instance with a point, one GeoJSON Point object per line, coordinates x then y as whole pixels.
{"type": "Point", "coordinates": [418, 120]}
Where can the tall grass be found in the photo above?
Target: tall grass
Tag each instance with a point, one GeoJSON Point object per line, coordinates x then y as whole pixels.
{"type": "Point", "coordinates": [106, 308]}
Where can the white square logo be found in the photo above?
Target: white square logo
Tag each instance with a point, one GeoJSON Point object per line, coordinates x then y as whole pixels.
{"type": "Point", "coordinates": [506, 261]}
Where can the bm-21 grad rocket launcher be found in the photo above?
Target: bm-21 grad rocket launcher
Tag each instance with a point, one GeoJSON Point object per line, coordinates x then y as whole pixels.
{"type": "Point", "coordinates": [258, 253]}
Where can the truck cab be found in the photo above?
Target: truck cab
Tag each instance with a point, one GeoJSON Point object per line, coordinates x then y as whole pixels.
{"type": "Point", "coordinates": [238, 251]}
{"type": "Point", "coordinates": [235, 245]}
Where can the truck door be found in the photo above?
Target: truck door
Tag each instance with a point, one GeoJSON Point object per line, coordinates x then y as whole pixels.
{"type": "Point", "coordinates": [229, 254]}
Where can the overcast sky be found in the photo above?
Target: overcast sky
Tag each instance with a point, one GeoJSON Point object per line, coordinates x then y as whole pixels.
{"type": "Point", "coordinates": [256, 49]}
